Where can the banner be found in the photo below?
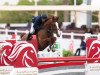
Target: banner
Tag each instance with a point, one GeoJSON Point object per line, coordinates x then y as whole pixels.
{"type": "Point", "coordinates": [6, 70]}
{"type": "Point", "coordinates": [25, 71]}
{"type": "Point", "coordinates": [92, 69]}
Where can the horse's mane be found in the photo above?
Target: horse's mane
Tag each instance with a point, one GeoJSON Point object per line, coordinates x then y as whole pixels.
{"type": "Point", "coordinates": [48, 21]}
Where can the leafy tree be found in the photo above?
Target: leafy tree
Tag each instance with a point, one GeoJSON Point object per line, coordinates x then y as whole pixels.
{"type": "Point", "coordinates": [44, 2]}
{"type": "Point", "coordinates": [95, 17]}
{"type": "Point", "coordinates": [25, 2]}
{"type": "Point", "coordinates": [79, 2]}
{"type": "Point", "coordinates": [17, 16]}
{"type": "Point", "coordinates": [50, 2]}
{"type": "Point", "coordinates": [57, 2]}
{"type": "Point", "coordinates": [6, 3]}
{"type": "Point", "coordinates": [20, 16]}
{"type": "Point", "coordinates": [71, 2]}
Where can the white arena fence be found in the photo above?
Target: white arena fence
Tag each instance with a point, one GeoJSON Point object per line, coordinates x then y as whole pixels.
{"type": "Point", "coordinates": [6, 36]}
{"type": "Point", "coordinates": [51, 8]}
{"type": "Point", "coordinates": [71, 43]}
{"type": "Point", "coordinates": [65, 43]}
{"type": "Point", "coordinates": [60, 45]}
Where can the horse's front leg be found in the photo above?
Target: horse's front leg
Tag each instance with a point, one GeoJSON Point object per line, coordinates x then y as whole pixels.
{"type": "Point", "coordinates": [51, 42]}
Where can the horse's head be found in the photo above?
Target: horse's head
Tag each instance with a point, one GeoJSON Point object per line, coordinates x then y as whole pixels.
{"type": "Point", "coordinates": [52, 24]}
{"type": "Point", "coordinates": [57, 29]}
{"type": "Point", "coordinates": [55, 18]}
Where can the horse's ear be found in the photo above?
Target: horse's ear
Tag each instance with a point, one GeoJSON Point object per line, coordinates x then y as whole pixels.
{"type": "Point", "coordinates": [55, 18]}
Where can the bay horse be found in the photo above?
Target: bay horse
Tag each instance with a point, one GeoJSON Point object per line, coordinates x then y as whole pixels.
{"type": "Point", "coordinates": [45, 34]}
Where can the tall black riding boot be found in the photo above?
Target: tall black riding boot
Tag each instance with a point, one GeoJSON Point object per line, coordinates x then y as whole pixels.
{"type": "Point", "coordinates": [29, 35]}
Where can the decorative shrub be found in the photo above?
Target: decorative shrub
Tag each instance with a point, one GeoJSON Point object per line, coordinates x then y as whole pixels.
{"type": "Point", "coordinates": [67, 53]}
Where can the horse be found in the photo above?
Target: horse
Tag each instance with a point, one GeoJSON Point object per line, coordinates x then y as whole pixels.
{"type": "Point", "coordinates": [45, 34]}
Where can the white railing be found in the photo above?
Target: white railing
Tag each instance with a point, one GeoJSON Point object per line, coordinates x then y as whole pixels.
{"type": "Point", "coordinates": [51, 8]}
{"type": "Point", "coordinates": [16, 31]}
{"type": "Point", "coordinates": [66, 42]}
{"type": "Point", "coordinates": [72, 34]}
{"type": "Point", "coordinates": [77, 34]}
{"type": "Point", "coordinates": [6, 35]}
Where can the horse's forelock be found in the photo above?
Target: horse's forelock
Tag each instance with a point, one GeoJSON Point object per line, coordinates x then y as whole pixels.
{"type": "Point", "coordinates": [55, 18]}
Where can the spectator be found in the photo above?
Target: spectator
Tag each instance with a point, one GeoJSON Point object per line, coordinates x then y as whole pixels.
{"type": "Point", "coordinates": [97, 31]}
{"type": "Point", "coordinates": [72, 26]}
{"type": "Point", "coordinates": [82, 47]}
{"type": "Point", "coordinates": [8, 26]}
{"type": "Point", "coordinates": [89, 30]}
{"type": "Point", "coordinates": [83, 27]}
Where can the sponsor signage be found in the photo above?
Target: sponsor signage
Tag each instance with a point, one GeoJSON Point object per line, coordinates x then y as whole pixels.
{"type": "Point", "coordinates": [93, 69]}
{"type": "Point", "coordinates": [25, 71]}
{"type": "Point", "coordinates": [6, 70]}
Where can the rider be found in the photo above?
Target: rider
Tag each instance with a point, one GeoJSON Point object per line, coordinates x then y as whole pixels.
{"type": "Point", "coordinates": [37, 22]}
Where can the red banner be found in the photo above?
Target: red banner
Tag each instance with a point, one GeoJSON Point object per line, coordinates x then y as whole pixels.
{"type": "Point", "coordinates": [18, 54]}
{"type": "Point", "coordinates": [93, 48]}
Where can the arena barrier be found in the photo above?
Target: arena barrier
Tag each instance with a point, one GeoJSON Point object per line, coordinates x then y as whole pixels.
{"type": "Point", "coordinates": [18, 57]}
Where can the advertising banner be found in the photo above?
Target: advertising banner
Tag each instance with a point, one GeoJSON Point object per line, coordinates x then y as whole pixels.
{"type": "Point", "coordinates": [25, 71]}
{"type": "Point", "coordinates": [93, 69]}
{"type": "Point", "coordinates": [6, 70]}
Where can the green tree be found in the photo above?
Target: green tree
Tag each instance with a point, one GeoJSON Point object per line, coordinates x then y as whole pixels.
{"type": "Point", "coordinates": [25, 2]}
{"type": "Point", "coordinates": [6, 3]}
{"type": "Point", "coordinates": [44, 2]}
{"type": "Point", "coordinates": [95, 17]}
{"type": "Point", "coordinates": [50, 2]}
{"type": "Point", "coordinates": [78, 2]}
{"type": "Point", "coordinates": [17, 16]}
